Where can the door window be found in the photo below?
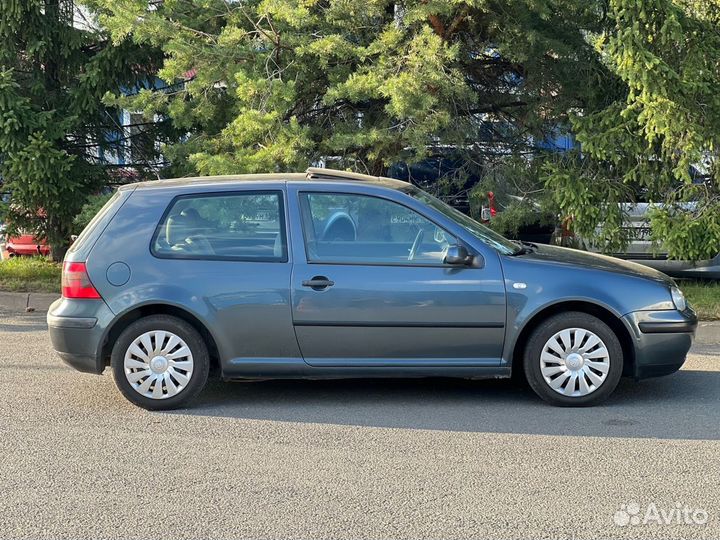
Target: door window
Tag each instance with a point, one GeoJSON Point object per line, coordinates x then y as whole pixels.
{"type": "Point", "coordinates": [238, 226]}
{"type": "Point", "coordinates": [360, 229]}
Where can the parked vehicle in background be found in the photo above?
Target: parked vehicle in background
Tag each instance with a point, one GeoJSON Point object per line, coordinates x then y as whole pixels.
{"type": "Point", "coordinates": [20, 244]}
{"type": "Point", "coordinates": [444, 166]}
{"type": "Point", "coordinates": [23, 244]}
{"type": "Point", "coordinates": [26, 244]}
{"type": "Point", "coordinates": [641, 249]}
{"type": "Point", "coordinates": [331, 274]}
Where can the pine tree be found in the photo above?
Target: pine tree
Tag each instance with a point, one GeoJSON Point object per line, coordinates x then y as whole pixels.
{"type": "Point", "coordinates": [277, 84]}
{"type": "Point", "coordinates": [659, 137]}
{"type": "Point", "coordinates": [274, 85]}
{"type": "Point", "coordinates": [53, 75]}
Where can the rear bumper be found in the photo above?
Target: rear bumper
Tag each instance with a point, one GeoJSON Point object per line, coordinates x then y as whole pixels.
{"type": "Point", "coordinates": [662, 340]}
{"type": "Point", "coordinates": [77, 329]}
{"type": "Point", "coordinates": [71, 322]}
{"type": "Point", "coordinates": [25, 249]}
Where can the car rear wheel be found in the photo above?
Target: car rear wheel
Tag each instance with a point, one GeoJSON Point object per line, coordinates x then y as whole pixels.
{"type": "Point", "coordinates": [573, 359]}
{"type": "Point", "coordinates": [160, 362]}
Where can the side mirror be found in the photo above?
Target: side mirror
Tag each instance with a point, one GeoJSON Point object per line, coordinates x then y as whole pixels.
{"type": "Point", "coordinates": [457, 254]}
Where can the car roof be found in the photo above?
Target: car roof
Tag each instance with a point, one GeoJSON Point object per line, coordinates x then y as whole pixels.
{"type": "Point", "coordinates": [312, 174]}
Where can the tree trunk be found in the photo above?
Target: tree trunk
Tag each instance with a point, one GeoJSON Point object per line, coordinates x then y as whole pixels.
{"type": "Point", "coordinates": [57, 252]}
{"type": "Point", "coordinates": [58, 238]}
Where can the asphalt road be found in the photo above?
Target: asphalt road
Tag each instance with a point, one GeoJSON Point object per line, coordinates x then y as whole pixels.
{"type": "Point", "coordinates": [357, 459]}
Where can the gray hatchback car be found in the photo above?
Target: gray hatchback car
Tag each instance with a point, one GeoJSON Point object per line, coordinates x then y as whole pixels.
{"type": "Point", "coordinates": [330, 274]}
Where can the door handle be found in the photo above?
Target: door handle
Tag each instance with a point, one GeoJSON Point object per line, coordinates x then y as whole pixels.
{"type": "Point", "coordinates": [318, 283]}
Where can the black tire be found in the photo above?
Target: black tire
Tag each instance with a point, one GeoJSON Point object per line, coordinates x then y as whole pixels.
{"type": "Point", "coordinates": [545, 331]}
{"type": "Point", "coordinates": [186, 332]}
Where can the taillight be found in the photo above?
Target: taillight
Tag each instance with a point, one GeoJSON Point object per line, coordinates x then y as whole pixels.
{"type": "Point", "coordinates": [491, 200]}
{"type": "Point", "coordinates": [76, 282]}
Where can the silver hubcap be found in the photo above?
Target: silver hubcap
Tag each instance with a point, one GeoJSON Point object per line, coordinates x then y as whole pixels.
{"type": "Point", "coordinates": [575, 362]}
{"type": "Point", "coordinates": [158, 364]}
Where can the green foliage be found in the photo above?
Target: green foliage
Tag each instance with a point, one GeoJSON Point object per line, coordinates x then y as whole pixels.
{"type": "Point", "coordinates": [692, 233]}
{"type": "Point", "coordinates": [519, 194]}
{"type": "Point", "coordinates": [665, 119]}
{"type": "Point", "coordinates": [704, 297]}
{"type": "Point", "coordinates": [588, 193]}
{"type": "Point", "coordinates": [275, 85]}
{"type": "Point", "coordinates": [88, 211]}
{"type": "Point", "coordinates": [29, 274]}
{"type": "Point", "coordinates": [52, 119]}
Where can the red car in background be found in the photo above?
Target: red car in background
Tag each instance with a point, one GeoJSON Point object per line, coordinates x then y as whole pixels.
{"type": "Point", "coordinates": [26, 244]}
{"type": "Point", "coordinates": [19, 244]}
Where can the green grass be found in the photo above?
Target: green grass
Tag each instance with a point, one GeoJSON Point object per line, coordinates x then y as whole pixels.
{"type": "Point", "coordinates": [704, 297]}
{"type": "Point", "coordinates": [30, 274]}
{"type": "Point", "coordinates": [37, 274]}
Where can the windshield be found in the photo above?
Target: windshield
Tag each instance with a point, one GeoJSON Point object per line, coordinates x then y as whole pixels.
{"type": "Point", "coordinates": [481, 232]}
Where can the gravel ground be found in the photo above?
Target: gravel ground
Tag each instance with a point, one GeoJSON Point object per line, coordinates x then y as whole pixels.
{"type": "Point", "coordinates": [351, 459]}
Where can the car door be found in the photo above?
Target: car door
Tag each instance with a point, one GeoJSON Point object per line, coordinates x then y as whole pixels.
{"type": "Point", "coordinates": [225, 254]}
{"type": "Point", "coordinates": [369, 286]}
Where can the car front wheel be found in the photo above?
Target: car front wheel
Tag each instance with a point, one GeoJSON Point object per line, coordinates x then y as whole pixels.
{"type": "Point", "coordinates": [160, 362]}
{"type": "Point", "coordinates": [573, 359]}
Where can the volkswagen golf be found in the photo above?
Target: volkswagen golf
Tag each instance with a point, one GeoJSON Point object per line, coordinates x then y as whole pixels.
{"type": "Point", "coordinates": [330, 274]}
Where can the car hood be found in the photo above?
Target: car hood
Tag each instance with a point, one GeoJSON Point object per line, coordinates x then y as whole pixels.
{"type": "Point", "coordinates": [574, 257]}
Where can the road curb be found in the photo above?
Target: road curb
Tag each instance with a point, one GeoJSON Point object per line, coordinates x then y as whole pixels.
{"type": "Point", "coordinates": [21, 302]}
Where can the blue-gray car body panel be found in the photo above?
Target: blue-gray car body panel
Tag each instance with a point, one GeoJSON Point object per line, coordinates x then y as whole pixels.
{"type": "Point", "coordinates": [236, 301]}
{"type": "Point", "coordinates": [428, 315]}
{"type": "Point", "coordinates": [376, 320]}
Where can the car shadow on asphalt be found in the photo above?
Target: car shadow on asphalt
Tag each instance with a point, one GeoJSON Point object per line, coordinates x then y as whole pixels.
{"type": "Point", "coordinates": [685, 405]}
{"type": "Point", "coordinates": [25, 324]}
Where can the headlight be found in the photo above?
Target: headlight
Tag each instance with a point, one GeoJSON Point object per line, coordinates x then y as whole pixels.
{"type": "Point", "coordinates": [678, 298]}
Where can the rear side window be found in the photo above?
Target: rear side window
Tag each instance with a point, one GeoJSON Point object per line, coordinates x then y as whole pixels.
{"type": "Point", "coordinates": [247, 226]}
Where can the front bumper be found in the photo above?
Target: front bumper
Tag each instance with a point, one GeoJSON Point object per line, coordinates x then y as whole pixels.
{"type": "Point", "coordinates": [77, 329]}
{"type": "Point", "coordinates": [661, 339]}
